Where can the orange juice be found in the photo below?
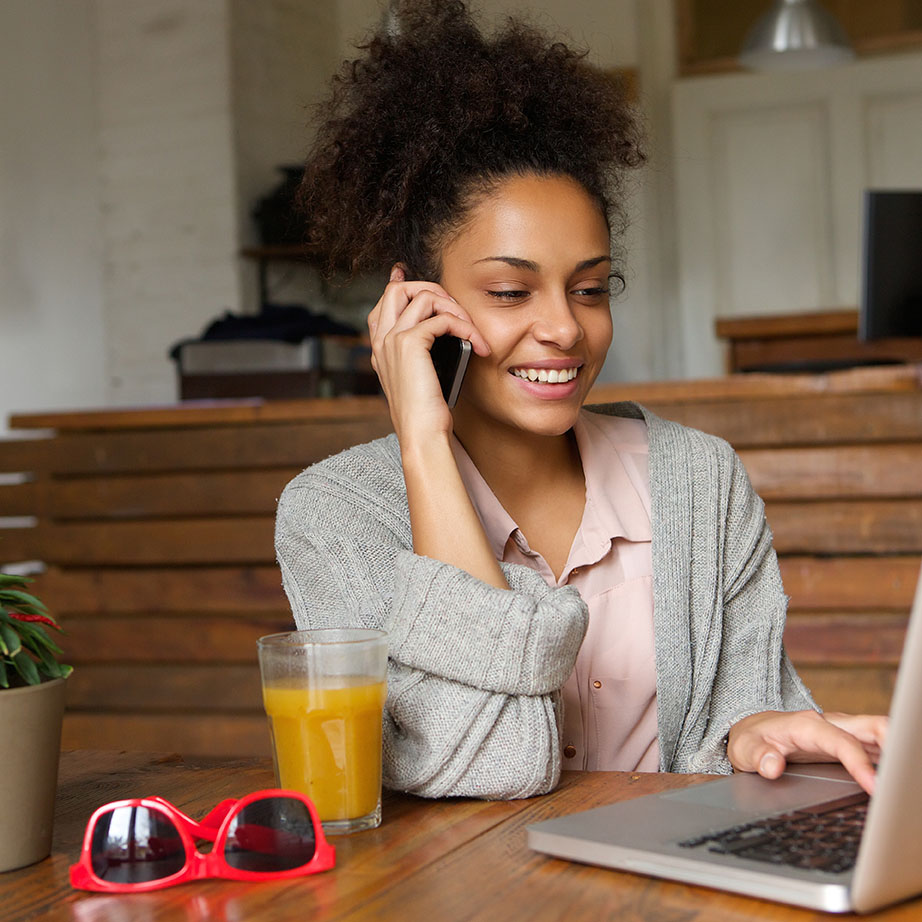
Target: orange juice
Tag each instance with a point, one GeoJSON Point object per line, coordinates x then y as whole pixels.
{"type": "Point", "coordinates": [327, 744]}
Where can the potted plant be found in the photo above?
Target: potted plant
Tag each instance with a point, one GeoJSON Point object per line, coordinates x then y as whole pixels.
{"type": "Point", "coordinates": [31, 709]}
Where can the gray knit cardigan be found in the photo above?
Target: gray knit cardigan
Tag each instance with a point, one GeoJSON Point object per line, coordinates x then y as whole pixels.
{"type": "Point", "coordinates": [474, 677]}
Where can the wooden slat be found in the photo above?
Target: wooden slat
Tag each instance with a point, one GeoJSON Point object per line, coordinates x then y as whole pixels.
{"type": "Point", "coordinates": [778, 422]}
{"type": "Point", "coordinates": [149, 688]}
{"type": "Point", "coordinates": [850, 583]}
{"type": "Point", "coordinates": [847, 527]}
{"type": "Point", "coordinates": [17, 544]}
{"type": "Point", "coordinates": [158, 495]}
{"type": "Point", "coordinates": [193, 413]}
{"type": "Point", "coordinates": [18, 499]}
{"type": "Point", "coordinates": [846, 471]}
{"type": "Point", "coordinates": [845, 640]}
{"type": "Point", "coordinates": [813, 583]}
{"type": "Point", "coordinates": [257, 410]}
{"type": "Point", "coordinates": [283, 445]}
{"type": "Point", "coordinates": [24, 455]}
{"type": "Point", "coordinates": [153, 542]}
{"type": "Point", "coordinates": [204, 639]}
{"type": "Point", "coordinates": [228, 590]}
{"type": "Point", "coordinates": [189, 734]}
{"type": "Point", "coordinates": [855, 690]}
{"type": "Point", "coordinates": [758, 387]}
{"type": "Point", "coordinates": [783, 325]}
{"type": "Point", "coordinates": [780, 354]}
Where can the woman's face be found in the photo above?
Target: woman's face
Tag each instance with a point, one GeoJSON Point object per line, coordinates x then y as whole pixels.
{"type": "Point", "coordinates": [531, 267]}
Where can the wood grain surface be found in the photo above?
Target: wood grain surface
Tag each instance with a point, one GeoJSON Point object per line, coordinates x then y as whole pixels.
{"type": "Point", "coordinates": [430, 861]}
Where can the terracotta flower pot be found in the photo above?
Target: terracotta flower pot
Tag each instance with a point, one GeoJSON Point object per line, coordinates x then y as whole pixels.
{"type": "Point", "coordinates": [30, 726]}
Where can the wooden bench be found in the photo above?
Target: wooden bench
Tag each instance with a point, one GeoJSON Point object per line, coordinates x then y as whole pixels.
{"type": "Point", "coordinates": [156, 530]}
{"type": "Point", "coordinates": [156, 527]}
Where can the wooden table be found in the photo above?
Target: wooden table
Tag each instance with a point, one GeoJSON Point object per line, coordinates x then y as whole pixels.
{"type": "Point", "coordinates": [430, 861]}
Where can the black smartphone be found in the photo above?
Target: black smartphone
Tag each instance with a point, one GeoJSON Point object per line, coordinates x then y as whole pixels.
{"type": "Point", "coordinates": [450, 356]}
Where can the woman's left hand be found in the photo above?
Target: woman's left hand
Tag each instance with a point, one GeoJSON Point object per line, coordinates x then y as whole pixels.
{"type": "Point", "coordinates": [767, 741]}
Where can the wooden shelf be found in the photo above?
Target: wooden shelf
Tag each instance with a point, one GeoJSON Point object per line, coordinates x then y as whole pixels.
{"type": "Point", "coordinates": [813, 342]}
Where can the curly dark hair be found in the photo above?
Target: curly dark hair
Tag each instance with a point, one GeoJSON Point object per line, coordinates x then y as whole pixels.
{"type": "Point", "coordinates": [434, 114]}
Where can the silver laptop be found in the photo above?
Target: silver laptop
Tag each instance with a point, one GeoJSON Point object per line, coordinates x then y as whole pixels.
{"type": "Point", "coordinates": [749, 835]}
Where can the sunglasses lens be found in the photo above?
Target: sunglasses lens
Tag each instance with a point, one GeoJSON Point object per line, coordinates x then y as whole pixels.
{"type": "Point", "coordinates": [133, 845]}
{"type": "Point", "coordinates": [273, 834]}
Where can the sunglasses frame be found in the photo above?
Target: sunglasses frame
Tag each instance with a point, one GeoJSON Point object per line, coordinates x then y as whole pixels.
{"type": "Point", "coordinates": [200, 866]}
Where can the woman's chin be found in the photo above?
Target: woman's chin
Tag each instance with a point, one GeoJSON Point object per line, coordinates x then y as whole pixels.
{"type": "Point", "coordinates": [538, 408]}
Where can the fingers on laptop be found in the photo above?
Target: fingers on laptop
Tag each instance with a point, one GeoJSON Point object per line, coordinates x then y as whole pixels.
{"type": "Point", "coordinates": [767, 741]}
{"type": "Point", "coordinates": [870, 729]}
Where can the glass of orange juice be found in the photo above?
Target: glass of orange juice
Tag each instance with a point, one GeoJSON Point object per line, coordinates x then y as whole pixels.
{"type": "Point", "coordinates": [324, 692]}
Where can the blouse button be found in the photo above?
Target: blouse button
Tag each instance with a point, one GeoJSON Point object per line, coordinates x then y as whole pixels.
{"type": "Point", "coordinates": [570, 751]}
{"type": "Point", "coordinates": [596, 684]}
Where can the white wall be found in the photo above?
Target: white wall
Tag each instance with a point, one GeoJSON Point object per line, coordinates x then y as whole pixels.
{"type": "Point", "coordinates": [51, 321]}
{"type": "Point", "coordinates": [136, 138]}
{"type": "Point", "coordinates": [771, 170]}
{"type": "Point", "coordinates": [168, 184]}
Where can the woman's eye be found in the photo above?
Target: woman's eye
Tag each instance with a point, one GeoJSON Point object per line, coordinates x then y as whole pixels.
{"type": "Point", "coordinates": [595, 292]}
{"type": "Point", "coordinates": [508, 295]}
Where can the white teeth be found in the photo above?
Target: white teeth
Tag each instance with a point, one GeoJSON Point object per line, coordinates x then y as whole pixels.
{"type": "Point", "coordinates": [552, 376]}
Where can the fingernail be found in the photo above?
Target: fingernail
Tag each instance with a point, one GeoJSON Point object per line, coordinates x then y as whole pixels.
{"type": "Point", "coordinates": [769, 762]}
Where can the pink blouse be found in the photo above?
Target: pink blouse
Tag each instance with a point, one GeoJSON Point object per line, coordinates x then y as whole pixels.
{"type": "Point", "coordinates": [610, 698]}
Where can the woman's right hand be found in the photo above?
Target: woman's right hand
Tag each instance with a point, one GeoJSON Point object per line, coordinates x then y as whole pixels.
{"type": "Point", "coordinates": [403, 326]}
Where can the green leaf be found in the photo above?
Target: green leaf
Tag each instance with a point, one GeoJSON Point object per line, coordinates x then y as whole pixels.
{"type": "Point", "coordinates": [34, 638]}
{"type": "Point", "coordinates": [49, 665]}
{"type": "Point", "coordinates": [25, 666]}
{"type": "Point", "coordinates": [23, 600]}
{"type": "Point", "coordinates": [10, 643]}
{"type": "Point", "coordinates": [10, 579]}
{"type": "Point", "coordinates": [50, 670]}
{"type": "Point", "coordinates": [4, 681]}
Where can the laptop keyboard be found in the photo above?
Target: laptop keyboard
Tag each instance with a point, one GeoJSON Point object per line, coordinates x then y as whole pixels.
{"type": "Point", "coordinates": [823, 838]}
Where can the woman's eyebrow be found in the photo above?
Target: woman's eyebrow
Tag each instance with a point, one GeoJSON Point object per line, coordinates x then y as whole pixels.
{"type": "Point", "coordinates": [531, 266]}
{"type": "Point", "coordinates": [513, 261]}
{"type": "Point", "coordinates": [589, 263]}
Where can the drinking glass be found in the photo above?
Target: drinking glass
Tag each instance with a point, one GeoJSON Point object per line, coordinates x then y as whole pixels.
{"type": "Point", "coordinates": [324, 691]}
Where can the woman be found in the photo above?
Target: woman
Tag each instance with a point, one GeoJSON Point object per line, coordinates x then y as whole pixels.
{"type": "Point", "coordinates": [562, 588]}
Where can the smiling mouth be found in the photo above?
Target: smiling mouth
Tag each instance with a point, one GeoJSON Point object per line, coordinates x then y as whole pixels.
{"type": "Point", "coordinates": [546, 375]}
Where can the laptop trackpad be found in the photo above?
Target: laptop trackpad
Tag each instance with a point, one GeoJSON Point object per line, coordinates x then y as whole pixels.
{"type": "Point", "coordinates": [751, 793]}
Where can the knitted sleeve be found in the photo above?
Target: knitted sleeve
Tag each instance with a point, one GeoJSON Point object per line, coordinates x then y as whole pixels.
{"type": "Point", "coordinates": [753, 672]}
{"type": "Point", "coordinates": [473, 705]}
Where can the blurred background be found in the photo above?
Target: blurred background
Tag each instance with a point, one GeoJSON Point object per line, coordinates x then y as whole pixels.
{"type": "Point", "coordinates": [138, 136]}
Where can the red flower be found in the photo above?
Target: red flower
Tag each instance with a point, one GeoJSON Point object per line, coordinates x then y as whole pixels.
{"type": "Point", "coordinates": [19, 616]}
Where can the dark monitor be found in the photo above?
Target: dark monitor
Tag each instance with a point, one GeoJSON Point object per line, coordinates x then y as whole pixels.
{"type": "Point", "coordinates": [891, 296]}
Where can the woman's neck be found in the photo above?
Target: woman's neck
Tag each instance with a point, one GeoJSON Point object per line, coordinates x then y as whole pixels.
{"type": "Point", "coordinates": [520, 467]}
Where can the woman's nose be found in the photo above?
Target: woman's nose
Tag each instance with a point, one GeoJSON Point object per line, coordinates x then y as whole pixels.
{"type": "Point", "coordinates": [556, 324]}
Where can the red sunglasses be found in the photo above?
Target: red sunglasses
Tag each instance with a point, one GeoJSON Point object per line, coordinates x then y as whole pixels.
{"type": "Point", "coordinates": [145, 843]}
